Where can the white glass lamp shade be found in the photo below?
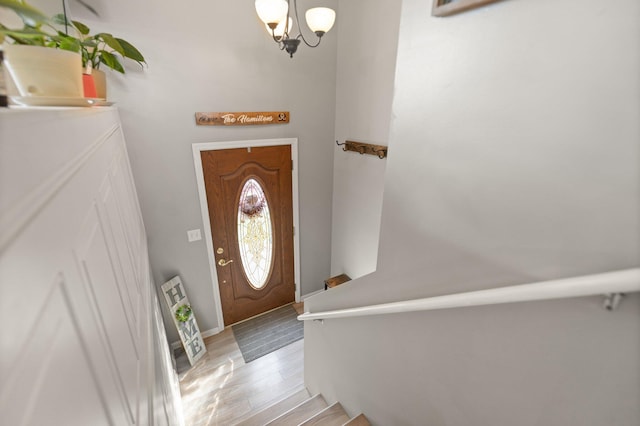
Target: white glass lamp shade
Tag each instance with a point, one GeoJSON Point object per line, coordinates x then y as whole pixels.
{"type": "Point", "coordinates": [272, 11]}
{"type": "Point", "coordinates": [320, 19]}
{"type": "Point", "coordinates": [279, 30]}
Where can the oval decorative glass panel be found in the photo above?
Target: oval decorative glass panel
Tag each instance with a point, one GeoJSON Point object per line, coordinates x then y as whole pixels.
{"type": "Point", "coordinates": [255, 234]}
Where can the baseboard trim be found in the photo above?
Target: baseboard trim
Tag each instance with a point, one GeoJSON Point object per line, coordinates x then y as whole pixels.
{"type": "Point", "coordinates": [210, 332]}
{"type": "Point", "coordinates": [177, 344]}
{"type": "Point", "coordinates": [306, 296]}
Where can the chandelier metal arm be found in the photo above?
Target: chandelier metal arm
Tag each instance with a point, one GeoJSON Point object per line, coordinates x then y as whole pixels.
{"type": "Point", "coordinates": [301, 36]}
{"type": "Point", "coordinates": [285, 42]}
{"type": "Point", "coordinates": [276, 38]}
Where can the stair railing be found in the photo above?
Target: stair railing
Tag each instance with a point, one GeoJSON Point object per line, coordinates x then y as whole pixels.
{"type": "Point", "coordinates": [611, 285]}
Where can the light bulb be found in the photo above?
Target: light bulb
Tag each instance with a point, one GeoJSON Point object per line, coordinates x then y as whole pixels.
{"type": "Point", "coordinates": [272, 11]}
{"type": "Point", "coordinates": [320, 19]}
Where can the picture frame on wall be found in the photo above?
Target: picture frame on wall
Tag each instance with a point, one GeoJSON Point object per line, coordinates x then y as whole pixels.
{"type": "Point", "coordinates": [450, 7]}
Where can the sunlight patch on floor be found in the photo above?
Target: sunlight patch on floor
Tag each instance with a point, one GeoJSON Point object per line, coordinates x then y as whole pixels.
{"type": "Point", "coordinates": [222, 389]}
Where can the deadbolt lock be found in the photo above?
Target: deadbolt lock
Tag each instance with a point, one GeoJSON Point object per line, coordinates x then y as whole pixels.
{"type": "Point", "coordinates": [220, 250]}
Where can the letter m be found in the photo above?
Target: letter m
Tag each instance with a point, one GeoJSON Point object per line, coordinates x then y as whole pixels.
{"type": "Point", "coordinates": [189, 329]}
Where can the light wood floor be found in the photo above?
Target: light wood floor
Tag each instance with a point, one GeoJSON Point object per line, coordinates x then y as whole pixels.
{"type": "Point", "coordinates": [222, 390]}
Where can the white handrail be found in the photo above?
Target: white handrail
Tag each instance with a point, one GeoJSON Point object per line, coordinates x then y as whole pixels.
{"type": "Point", "coordinates": [624, 281]}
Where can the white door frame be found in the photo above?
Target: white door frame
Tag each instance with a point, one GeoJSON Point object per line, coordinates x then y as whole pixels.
{"type": "Point", "coordinates": [204, 207]}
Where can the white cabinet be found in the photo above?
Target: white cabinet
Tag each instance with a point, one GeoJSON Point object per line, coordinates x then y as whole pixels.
{"type": "Point", "coordinates": [81, 338]}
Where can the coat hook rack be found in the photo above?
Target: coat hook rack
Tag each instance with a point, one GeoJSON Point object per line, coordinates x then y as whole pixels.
{"type": "Point", "coordinates": [612, 301]}
{"type": "Point", "coordinates": [364, 148]}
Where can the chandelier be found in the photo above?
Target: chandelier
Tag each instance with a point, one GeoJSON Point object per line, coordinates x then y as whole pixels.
{"type": "Point", "coordinates": [278, 19]}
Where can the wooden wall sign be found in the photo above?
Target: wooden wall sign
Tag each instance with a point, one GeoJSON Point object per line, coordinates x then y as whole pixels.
{"type": "Point", "coordinates": [241, 118]}
{"type": "Point", "coordinates": [188, 330]}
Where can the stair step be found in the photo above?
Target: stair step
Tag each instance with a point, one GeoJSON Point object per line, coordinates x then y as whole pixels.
{"type": "Point", "coordinates": [300, 413]}
{"type": "Point", "coordinates": [333, 415]}
{"type": "Point", "coordinates": [262, 417]}
{"type": "Point", "coordinates": [359, 420]}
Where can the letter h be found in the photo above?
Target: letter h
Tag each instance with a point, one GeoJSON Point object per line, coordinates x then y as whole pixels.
{"type": "Point", "coordinates": [175, 294]}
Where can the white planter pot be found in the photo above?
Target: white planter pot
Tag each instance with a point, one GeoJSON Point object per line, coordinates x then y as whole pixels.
{"type": "Point", "coordinates": [43, 71]}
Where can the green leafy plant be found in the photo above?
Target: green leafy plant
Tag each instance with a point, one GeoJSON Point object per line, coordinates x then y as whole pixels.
{"type": "Point", "coordinates": [97, 49]}
{"type": "Point", "coordinates": [32, 32]}
{"type": "Point", "coordinates": [38, 30]}
{"type": "Point", "coordinates": [183, 313]}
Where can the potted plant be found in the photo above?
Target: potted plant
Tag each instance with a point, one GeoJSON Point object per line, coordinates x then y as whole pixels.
{"type": "Point", "coordinates": [37, 70]}
{"type": "Point", "coordinates": [97, 50]}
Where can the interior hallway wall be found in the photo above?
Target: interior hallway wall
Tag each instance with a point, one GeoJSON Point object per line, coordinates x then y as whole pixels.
{"type": "Point", "coordinates": [514, 158]}
{"type": "Point", "coordinates": [364, 92]}
{"type": "Point", "coordinates": [216, 56]}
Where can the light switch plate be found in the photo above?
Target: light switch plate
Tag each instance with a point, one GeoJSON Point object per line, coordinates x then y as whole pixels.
{"type": "Point", "coordinates": [194, 235]}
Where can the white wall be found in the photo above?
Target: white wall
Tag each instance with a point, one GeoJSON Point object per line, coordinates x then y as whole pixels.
{"type": "Point", "coordinates": [216, 56]}
{"type": "Point", "coordinates": [521, 152]}
{"type": "Point", "coordinates": [364, 91]}
{"type": "Point", "coordinates": [514, 159]}
{"type": "Point", "coordinates": [74, 269]}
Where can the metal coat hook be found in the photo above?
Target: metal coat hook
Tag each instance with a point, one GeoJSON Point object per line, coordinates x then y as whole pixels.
{"type": "Point", "coordinates": [612, 301]}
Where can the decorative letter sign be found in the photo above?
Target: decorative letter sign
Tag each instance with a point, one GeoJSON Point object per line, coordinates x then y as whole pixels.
{"type": "Point", "coordinates": [189, 332]}
{"type": "Point", "coordinates": [241, 118]}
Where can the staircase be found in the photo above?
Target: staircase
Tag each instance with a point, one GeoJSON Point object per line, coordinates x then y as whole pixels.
{"type": "Point", "coordinates": [302, 409]}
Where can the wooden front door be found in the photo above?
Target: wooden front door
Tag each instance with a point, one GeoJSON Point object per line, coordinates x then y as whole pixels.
{"type": "Point", "coordinates": [249, 195]}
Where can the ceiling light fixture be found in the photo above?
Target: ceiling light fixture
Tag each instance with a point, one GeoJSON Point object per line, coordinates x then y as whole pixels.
{"type": "Point", "coordinates": [276, 15]}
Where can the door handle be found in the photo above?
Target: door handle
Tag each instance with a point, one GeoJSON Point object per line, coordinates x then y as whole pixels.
{"type": "Point", "coordinates": [223, 262]}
